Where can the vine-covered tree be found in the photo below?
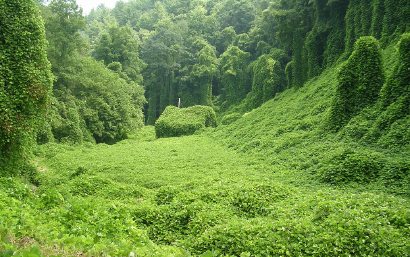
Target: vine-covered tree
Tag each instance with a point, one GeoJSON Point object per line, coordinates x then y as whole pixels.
{"type": "Point", "coordinates": [268, 79]}
{"type": "Point", "coordinates": [162, 53]}
{"type": "Point", "coordinates": [198, 88]}
{"type": "Point", "coordinates": [25, 78]}
{"type": "Point", "coordinates": [92, 101]}
{"type": "Point", "coordinates": [234, 74]}
{"type": "Point", "coordinates": [359, 81]}
{"type": "Point", "coordinates": [313, 35]}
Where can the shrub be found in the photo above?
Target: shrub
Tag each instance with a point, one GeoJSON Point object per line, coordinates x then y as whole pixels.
{"type": "Point", "coordinates": [176, 122]}
{"type": "Point", "coordinates": [230, 118]}
{"type": "Point", "coordinates": [253, 201]}
{"type": "Point", "coordinates": [351, 165]}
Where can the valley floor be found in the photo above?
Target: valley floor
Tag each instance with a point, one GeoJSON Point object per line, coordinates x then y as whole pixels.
{"type": "Point", "coordinates": [189, 196]}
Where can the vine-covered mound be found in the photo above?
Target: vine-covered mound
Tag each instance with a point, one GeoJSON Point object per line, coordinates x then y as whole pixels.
{"type": "Point", "coordinates": [175, 122]}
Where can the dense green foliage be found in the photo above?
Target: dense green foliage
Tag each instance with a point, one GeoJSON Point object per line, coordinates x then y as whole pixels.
{"type": "Point", "coordinates": [95, 104]}
{"type": "Point", "coordinates": [190, 196]}
{"type": "Point", "coordinates": [359, 82]}
{"type": "Point", "coordinates": [268, 79]}
{"type": "Point", "coordinates": [397, 85]}
{"type": "Point", "coordinates": [118, 48]}
{"type": "Point", "coordinates": [234, 74]}
{"type": "Point", "coordinates": [387, 122]}
{"type": "Point", "coordinates": [25, 80]}
{"type": "Point", "coordinates": [92, 102]}
{"type": "Point", "coordinates": [311, 158]}
{"type": "Point", "coordinates": [292, 131]}
{"type": "Point", "coordinates": [175, 122]}
{"type": "Point", "coordinates": [200, 51]}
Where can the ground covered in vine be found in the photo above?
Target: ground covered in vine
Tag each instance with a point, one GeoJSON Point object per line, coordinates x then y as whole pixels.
{"type": "Point", "coordinates": [190, 196]}
{"type": "Point", "coordinates": [274, 182]}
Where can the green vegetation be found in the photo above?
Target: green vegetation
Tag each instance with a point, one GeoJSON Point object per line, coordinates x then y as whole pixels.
{"type": "Point", "coordinates": [104, 109]}
{"type": "Point", "coordinates": [359, 82]}
{"type": "Point", "coordinates": [292, 132]}
{"type": "Point", "coordinates": [268, 79]}
{"type": "Point", "coordinates": [175, 122]}
{"type": "Point", "coordinates": [25, 81]}
{"type": "Point", "coordinates": [91, 102]}
{"type": "Point", "coordinates": [188, 196]}
{"type": "Point", "coordinates": [310, 157]}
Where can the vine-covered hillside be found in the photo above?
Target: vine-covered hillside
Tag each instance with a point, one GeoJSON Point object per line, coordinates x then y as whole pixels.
{"type": "Point", "coordinates": [205, 128]}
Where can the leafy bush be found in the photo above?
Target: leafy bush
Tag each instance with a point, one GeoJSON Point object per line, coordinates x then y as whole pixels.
{"type": "Point", "coordinates": [176, 122]}
{"type": "Point", "coordinates": [350, 165]}
{"type": "Point", "coordinates": [95, 102]}
{"type": "Point", "coordinates": [255, 201]}
{"type": "Point", "coordinates": [230, 118]}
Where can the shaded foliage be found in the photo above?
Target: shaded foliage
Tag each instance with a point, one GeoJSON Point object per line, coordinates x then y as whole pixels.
{"type": "Point", "coordinates": [93, 101]}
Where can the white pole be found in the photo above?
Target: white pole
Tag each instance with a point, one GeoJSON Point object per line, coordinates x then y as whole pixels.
{"type": "Point", "coordinates": [179, 102]}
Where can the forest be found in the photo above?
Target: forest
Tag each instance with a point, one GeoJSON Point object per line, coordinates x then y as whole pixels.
{"type": "Point", "coordinates": [205, 128]}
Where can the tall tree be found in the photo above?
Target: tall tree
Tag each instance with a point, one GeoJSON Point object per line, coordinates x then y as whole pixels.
{"type": "Point", "coordinates": [64, 20]}
{"type": "Point", "coordinates": [120, 44]}
{"type": "Point", "coordinates": [197, 87]}
{"type": "Point", "coordinates": [234, 74]}
{"type": "Point", "coordinates": [162, 53]}
{"type": "Point", "coordinates": [236, 13]}
{"type": "Point", "coordinates": [25, 77]}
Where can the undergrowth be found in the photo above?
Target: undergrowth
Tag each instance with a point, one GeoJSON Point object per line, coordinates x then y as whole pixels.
{"type": "Point", "coordinates": [292, 131]}
{"type": "Point", "coordinates": [190, 197]}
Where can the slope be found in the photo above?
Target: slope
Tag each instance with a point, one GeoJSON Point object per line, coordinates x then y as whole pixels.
{"type": "Point", "coordinates": [292, 132]}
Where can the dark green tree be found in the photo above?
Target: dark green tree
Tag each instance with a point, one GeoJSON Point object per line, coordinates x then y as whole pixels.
{"type": "Point", "coordinates": [234, 74]}
{"type": "Point", "coordinates": [268, 79]}
{"type": "Point", "coordinates": [201, 74]}
{"type": "Point", "coordinates": [236, 13]}
{"type": "Point", "coordinates": [162, 52]}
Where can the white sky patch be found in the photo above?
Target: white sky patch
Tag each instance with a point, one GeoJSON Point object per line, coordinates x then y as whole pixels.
{"type": "Point", "coordinates": [88, 5]}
